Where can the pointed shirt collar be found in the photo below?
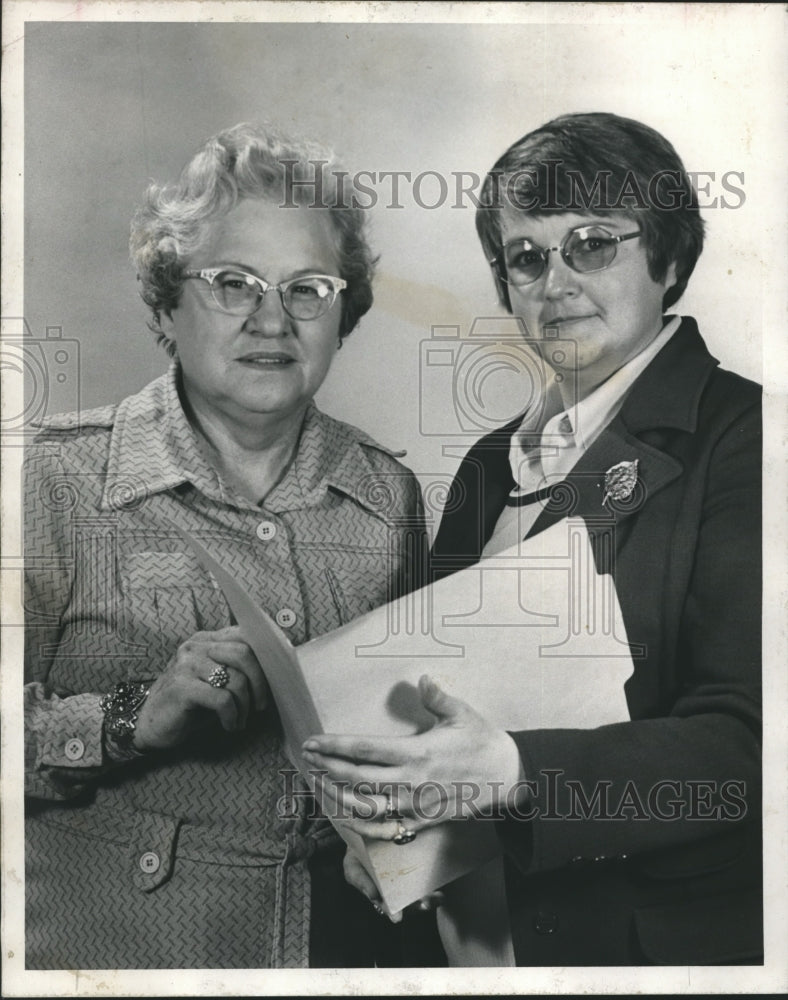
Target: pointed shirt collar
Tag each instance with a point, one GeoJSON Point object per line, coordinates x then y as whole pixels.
{"type": "Point", "coordinates": [565, 435]}
{"type": "Point", "coordinates": [154, 448]}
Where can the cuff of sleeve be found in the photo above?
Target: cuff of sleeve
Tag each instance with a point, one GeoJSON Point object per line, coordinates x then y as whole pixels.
{"type": "Point", "coordinates": [73, 735]}
{"type": "Point", "coordinates": [515, 832]}
{"type": "Point", "coordinates": [516, 838]}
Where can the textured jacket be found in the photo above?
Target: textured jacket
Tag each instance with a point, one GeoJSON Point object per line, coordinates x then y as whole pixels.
{"type": "Point", "coordinates": [199, 856]}
{"type": "Point", "coordinates": [645, 846]}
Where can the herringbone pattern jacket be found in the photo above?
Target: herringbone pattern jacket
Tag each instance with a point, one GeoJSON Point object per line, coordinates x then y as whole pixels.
{"type": "Point", "coordinates": [195, 857]}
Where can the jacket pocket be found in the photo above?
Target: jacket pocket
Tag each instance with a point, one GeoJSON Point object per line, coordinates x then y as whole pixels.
{"type": "Point", "coordinates": [137, 844]}
{"type": "Point", "coordinates": [358, 581]}
{"type": "Point", "coordinates": [152, 849]}
{"type": "Point", "coordinates": [168, 597]}
{"type": "Point", "coordinates": [725, 929]}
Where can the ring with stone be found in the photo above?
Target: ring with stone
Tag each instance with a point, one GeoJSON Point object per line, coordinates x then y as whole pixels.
{"type": "Point", "coordinates": [404, 834]}
{"type": "Point", "coordinates": [219, 677]}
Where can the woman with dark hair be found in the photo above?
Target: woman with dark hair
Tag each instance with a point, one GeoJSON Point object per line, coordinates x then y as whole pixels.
{"type": "Point", "coordinates": [636, 842]}
{"type": "Point", "coordinates": [165, 828]}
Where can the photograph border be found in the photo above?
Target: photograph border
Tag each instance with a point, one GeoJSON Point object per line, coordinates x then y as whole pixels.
{"type": "Point", "coordinates": [768, 25]}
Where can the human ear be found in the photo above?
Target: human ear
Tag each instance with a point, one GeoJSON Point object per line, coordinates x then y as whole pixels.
{"type": "Point", "coordinates": [165, 323]}
{"type": "Point", "coordinates": [670, 276]}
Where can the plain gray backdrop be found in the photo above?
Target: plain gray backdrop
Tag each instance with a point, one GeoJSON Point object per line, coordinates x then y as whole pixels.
{"type": "Point", "coordinates": [110, 106]}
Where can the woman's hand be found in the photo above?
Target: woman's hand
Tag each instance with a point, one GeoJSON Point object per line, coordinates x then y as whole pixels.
{"type": "Point", "coordinates": [463, 766]}
{"type": "Point", "coordinates": [180, 697]}
{"type": "Point", "coordinates": [357, 876]}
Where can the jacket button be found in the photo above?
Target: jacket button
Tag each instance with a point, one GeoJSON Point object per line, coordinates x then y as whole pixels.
{"type": "Point", "coordinates": [545, 923]}
{"type": "Point", "coordinates": [266, 531]}
{"type": "Point", "coordinates": [149, 862]}
{"type": "Point", "coordinates": [75, 749]}
{"type": "Point", "coordinates": [286, 618]}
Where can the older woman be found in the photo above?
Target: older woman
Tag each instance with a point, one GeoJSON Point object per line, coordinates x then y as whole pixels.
{"type": "Point", "coordinates": [165, 828]}
{"type": "Point", "coordinates": [592, 229]}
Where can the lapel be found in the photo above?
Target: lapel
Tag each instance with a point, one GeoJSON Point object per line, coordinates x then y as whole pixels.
{"type": "Point", "coordinates": [497, 481]}
{"type": "Point", "coordinates": [476, 498]}
{"type": "Point", "coordinates": [583, 490]}
{"type": "Point", "coordinates": [665, 396]}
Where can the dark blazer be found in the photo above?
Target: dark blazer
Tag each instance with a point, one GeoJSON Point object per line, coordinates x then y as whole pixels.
{"type": "Point", "coordinates": [645, 844]}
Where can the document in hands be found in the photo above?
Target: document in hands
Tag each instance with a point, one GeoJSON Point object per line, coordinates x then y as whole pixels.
{"type": "Point", "coordinates": [532, 638]}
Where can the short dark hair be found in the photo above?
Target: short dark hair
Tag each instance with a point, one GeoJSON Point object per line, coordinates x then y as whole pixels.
{"type": "Point", "coordinates": [600, 164]}
{"type": "Point", "coordinates": [246, 161]}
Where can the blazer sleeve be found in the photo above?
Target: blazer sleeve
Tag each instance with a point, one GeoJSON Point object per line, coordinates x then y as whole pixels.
{"type": "Point", "coordinates": [693, 771]}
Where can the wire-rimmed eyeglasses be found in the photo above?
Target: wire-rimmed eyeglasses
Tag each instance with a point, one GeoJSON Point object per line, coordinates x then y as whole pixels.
{"type": "Point", "coordinates": [584, 249]}
{"type": "Point", "coordinates": [237, 292]}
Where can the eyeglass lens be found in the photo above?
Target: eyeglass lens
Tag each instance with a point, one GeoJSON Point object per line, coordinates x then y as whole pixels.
{"type": "Point", "coordinates": [305, 298]}
{"type": "Point", "coordinates": [587, 249]}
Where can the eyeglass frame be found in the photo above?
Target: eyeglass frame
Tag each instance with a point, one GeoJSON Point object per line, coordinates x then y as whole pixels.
{"type": "Point", "coordinates": [500, 266]}
{"type": "Point", "coordinates": [209, 274]}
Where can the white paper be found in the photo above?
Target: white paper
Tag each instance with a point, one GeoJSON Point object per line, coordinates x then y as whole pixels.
{"type": "Point", "coordinates": [533, 638]}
